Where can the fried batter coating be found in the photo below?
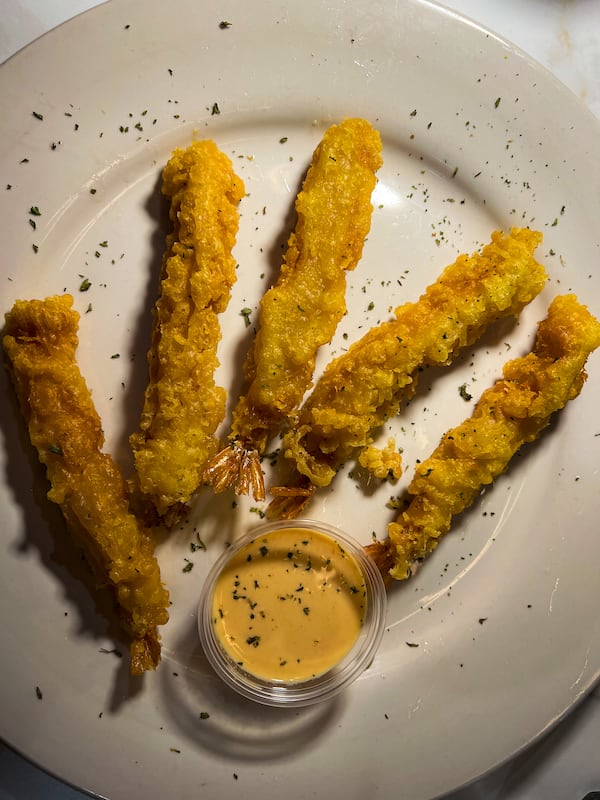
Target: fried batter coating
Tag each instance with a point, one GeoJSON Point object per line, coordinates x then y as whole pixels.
{"type": "Point", "coordinates": [40, 340]}
{"type": "Point", "coordinates": [182, 405]}
{"type": "Point", "coordinates": [382, 463]}
{"type": "Point", "coordinates": [512, 412]}
{"type": "Point", "coordinates": [365, 386]}
{"type": "Point", "coordinates": [302, 310]}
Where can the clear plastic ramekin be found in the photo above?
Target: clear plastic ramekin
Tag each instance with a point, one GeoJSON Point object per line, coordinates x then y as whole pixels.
{"type": "Point", "coordinates": [287, 693]}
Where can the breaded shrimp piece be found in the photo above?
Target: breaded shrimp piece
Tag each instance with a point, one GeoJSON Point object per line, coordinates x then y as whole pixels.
{"type": "Point", "coordinates": [183, 406]}
{"type": "Point", "coordinates": [301, 311]}
{"type": "Point", "coordinates": [365, 386]}
{"type": "Point", "coordinates": [512, 412]}
{"type": "Point", "coordinates": [40, 340]}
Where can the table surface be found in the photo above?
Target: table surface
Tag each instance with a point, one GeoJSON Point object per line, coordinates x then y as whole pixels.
{"type": "Point", "coordinates": [564, 36]}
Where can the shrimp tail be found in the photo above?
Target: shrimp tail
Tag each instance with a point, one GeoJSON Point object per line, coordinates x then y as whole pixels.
{"type": "Point", "coordinates": [289, 501]}
{"type": "Point", "coordinates": [239, 468]}
{"type": "Point", "coordinates": [383, 554]}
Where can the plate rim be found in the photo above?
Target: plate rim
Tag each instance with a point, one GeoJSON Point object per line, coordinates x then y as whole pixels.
{"type": "Point", "coordinates": [460, 19]}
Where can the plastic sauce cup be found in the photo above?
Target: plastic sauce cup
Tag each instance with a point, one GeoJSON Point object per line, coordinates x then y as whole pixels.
{"type": "Point", "coordinates": [292, 613]}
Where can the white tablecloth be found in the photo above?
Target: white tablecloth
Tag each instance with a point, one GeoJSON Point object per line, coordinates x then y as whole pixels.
{"type": "Point", "coordinates": [564, 36]}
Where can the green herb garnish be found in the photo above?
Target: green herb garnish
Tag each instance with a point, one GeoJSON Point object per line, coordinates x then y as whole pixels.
{"type": "Point", "coordinates": [462, 390]}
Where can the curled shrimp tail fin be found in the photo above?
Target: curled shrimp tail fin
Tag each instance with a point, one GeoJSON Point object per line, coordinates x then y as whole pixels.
{"type": "Point", "coordinates": [383, 555]}
{"type": "Point", "coordinates": [289, 501]}
{"type": "Point", "coordinates": [145, 653]}
{"type": "Point", "coordinates": [250, 477]}
{"type": "Point", "coordinates": [222, 471]}
{"type": "Point", "coordinates": [238, 468]}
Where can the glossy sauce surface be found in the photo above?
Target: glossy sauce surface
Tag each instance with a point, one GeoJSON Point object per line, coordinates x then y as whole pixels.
{"type": "Point", "coordinates": [289, 605]}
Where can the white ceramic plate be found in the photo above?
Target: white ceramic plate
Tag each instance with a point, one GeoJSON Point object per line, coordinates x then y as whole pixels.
{"type": "Point", "coordinates": [504, 614]}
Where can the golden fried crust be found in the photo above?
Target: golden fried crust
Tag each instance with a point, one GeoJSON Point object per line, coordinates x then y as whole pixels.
{"type": "Point", "coordinates": [362, 388]}
{"type": "Point", "coordinates": [509, 414]}
{"type": "Point", "coordinates": [40, 340]}
{"type": "Point", "coordinates": [182, 405]}
{"type": "Point", "coordinates": [302, 310]}
{"type": "Point", "coordinates": [382, 462]}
